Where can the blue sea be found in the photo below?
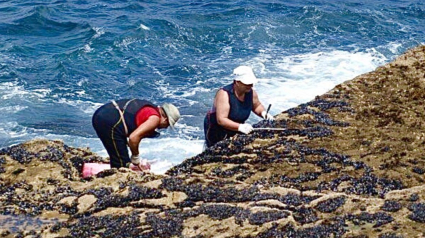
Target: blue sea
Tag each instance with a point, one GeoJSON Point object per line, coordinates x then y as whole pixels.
{"type": "Point", "coordinates": [60, 60]}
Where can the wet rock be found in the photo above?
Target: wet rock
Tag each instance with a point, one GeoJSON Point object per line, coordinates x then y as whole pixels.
{"type": "Point", "coordinates": [259, 218]}
{"type": "Point", "coordinates": [378, 219]}
{"type": "Point", "coordinates": [304, 215]}
{"type": "Point", "coordinates": [418, 212]}
{"type": "Point", "coordinates": [330, 205]}
{"type": "Point", "coordinates": [391, 206]}
{"type": "Point", "coordinates": [390, 235]}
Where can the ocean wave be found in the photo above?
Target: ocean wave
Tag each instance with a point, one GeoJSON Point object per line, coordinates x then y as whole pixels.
{"type": "Point", "coordinates": [40, 22]}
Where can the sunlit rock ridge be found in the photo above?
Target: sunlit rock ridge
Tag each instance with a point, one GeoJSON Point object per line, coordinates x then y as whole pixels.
{"type": "Point", "coordinates": [350, 163]}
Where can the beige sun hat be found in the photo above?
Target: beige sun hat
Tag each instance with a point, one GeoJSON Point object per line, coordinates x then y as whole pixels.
{"type": "Point", "coordinates": [172, 112]}
{"type": "Point", "coordinates": [245, 75]}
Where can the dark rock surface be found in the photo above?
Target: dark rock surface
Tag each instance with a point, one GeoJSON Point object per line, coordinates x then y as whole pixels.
{"type": "Point", "coordinates": [350, 163]}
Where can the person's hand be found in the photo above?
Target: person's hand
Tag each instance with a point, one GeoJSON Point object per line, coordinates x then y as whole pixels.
{"type": "Point", "coordinates": [143, 165]}
{"type": "Point", "coordinates": [245, 128]}
{"type": "Point", "coordinates": [267, 116]}
{"type": "Point", "coordinates": [135, 159]}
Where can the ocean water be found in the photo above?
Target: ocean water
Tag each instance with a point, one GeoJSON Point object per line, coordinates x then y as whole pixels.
{"type": "Point", "coordinates": [60, 60]}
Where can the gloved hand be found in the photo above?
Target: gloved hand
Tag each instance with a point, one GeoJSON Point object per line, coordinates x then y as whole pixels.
{"type": "Point", "coordinates": [267, 116]}
{"type": "Point", "coordinates": [138, 164]}
{"type": "Point", "coordinates": [135, 159]}
{"type": "Point", "coordinates": [245, 128]}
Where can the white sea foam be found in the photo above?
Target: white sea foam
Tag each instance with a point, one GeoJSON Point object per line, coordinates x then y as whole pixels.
{"type": "Point", "coordinates": [13, 90]}
{"type": "Point", "coordinates": [12, 109]}
{"type": "Point", "coordinates": [169, 151]}
{"type": "Point", "coordinates": [394, 47]}
{"type": "Point", "coordinates": [186, 131]}
{"type": "Point", "coordinates": [99, 32]}
{"type": "Point", "coordinates": [87, 48]}
{"type": "Point", "coordinates": [11, 132]}
{"type": "Point", "coordinates": [296, 79]}
{"type": "Point", "coordinates": [126, 42]}
{"type": "Point", "coordinates": [85, 106]}
{"type": "Point", "coordinates": [82, 82]}
{"type": "Point", "coordinates": [144, 27]}
{"type": "Point", "coordinates": [191, 92]}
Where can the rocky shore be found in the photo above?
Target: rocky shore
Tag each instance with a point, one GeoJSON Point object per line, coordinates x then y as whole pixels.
{"type": "Point", "coordinates": [350, 163]}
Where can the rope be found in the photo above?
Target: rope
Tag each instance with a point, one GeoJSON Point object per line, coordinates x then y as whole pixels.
{"type": "Point", "coordinates": [122, 114]}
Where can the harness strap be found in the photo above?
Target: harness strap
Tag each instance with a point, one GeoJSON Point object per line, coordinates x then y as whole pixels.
{"type": "Point", "coordinates": [121, 112]}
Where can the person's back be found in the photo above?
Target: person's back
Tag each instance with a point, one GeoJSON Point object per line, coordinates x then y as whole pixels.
{"type": "Point", "coordinates": [122, 124]}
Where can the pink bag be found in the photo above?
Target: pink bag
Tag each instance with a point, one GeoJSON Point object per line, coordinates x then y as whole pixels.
{"type": "Point", "coordinates": [90, 169]}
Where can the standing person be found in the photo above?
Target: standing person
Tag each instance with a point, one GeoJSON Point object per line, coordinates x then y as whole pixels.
{"type": "Point", "coordinates": [232, 106]}
{"type": "Point", "coordinates": [134, 119]}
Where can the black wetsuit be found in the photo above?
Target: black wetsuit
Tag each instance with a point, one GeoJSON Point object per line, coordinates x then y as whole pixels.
{"type": "Point", "coordinates": [110, 129]}
{"type": "Point", "coordinates": [239, 112]}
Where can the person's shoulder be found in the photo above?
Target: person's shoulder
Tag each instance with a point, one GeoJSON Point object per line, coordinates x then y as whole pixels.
{"type": "Point", "coordinates": [222, 92]}
{"type": "Point", "coordinates": [221, 97]}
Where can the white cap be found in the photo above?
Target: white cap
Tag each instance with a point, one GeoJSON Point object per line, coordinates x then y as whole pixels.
{"type": "Point", "coordinates": [245, 75]}
{"type": "Point", "coordinates": [172, 112]}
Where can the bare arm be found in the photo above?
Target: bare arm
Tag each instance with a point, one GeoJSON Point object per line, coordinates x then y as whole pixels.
{"type": "Point", "coordinates": [257, 107]}
{"type": "Point", "coordinates": [222, 106]}
{"type": "Point", "coordinates": [142, 131]}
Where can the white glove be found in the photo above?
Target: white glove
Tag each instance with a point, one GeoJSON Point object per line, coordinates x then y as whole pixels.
{"type": "Point", "coordinates": [267, 116]}
{"type": "Point", "coordinates": [245, 128]}
{"type": "Point", "coordinates": [135, 159]}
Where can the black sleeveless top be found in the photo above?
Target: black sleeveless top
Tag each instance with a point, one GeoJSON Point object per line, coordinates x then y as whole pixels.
{"type": "Point", "coordinates": [239, 112]}
{"type": "Point", "coordinates": [130, 107]}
